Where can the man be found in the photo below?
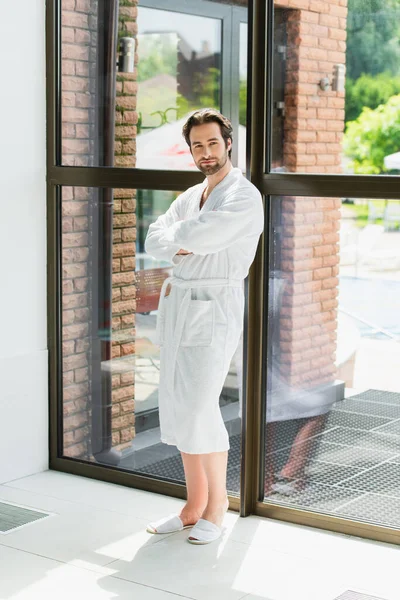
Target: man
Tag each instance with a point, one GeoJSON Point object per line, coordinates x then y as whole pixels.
{"type": "Point", "coordinates": [210, 234]}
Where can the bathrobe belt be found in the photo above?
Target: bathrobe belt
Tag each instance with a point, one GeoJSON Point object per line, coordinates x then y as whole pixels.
{"type": "Point", "coordinates": [188, 285]}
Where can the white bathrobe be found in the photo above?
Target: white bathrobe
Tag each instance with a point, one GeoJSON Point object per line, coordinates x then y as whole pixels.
{"type": "Point", "coordinates": [199, 323]}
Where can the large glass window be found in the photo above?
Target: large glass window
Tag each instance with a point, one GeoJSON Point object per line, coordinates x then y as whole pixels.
{"type": "Point", "coordinates": [333, 394]}
{"type": "Point", "coordinates": [132, 73]}
{"type": "Point", "coordinates": [336, 87]}
{"type": "Point", "coordinates": [111, 357]}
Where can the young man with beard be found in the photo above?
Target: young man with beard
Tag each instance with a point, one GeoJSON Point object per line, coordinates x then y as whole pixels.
{"type": "Point", "coordinates": [210, 234]}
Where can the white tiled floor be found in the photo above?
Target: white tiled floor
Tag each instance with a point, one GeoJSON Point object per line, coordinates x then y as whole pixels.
{"type": "Point", "coordinates": [95, 546]}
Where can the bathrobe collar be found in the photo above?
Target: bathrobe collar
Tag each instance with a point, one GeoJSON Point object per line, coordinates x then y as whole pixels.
{"type": "Point", "coordinates": [217, 193]}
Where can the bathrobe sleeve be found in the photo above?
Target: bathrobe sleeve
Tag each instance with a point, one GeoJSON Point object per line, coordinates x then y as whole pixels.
{"type": "Point", "coordinates": [153, 244]}
{"type": "Point", "coordinates": [216, 230]}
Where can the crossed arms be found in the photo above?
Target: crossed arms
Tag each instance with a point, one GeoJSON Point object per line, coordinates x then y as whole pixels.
{"type": "Point", "coordinates": [208, 232]}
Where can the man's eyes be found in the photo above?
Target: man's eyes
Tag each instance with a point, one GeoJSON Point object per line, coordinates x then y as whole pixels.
{"type": "Point", "coordinates": [198, 146]}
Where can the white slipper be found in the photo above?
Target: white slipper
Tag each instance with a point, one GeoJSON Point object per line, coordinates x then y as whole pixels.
{"type": "Point", "coordinates": [169, 524]}
{"type": "Point", "coordinates": [204, 532]}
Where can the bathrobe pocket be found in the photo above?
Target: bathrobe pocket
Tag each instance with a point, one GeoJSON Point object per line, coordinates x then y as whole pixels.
{"type": "Point", "coordinates": [198, 329]}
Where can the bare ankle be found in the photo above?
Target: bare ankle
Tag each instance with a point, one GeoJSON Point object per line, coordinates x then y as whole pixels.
{"type": "Point", "coordinates": [190, 516]}
{"type": "Point", "coordinates": [217, 502]}
{"type": "Point", "coordinates": [215, 511]}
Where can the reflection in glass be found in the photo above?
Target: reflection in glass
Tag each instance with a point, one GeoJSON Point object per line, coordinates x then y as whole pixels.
{"type": "Point", "coordinates": [110, 293]}
{"type": "Point", "coordinates": [130, 77]}
{"type": "Point", "coordinates": [179, 70]}
{"type": "Point", "coordinates": [333, 396]}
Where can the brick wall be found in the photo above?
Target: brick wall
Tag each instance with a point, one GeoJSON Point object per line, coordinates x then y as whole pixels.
{"type": "Point", "coordinates": [80, 147]}
{"type": "Point", "coordinates": [79, 49]}
{"type": "Point", "coordinates": [314, 121]}
{"type": "Point", "coordinates": [313, 131]}
{"type": "Point", "coordinates": [124, 238]}
{"type": "Point", "coordinates": [75, 318]}
{"type": "Point", "coordinates": [308, 315]}
{"type": "Point", "coordinates": [79, 27]}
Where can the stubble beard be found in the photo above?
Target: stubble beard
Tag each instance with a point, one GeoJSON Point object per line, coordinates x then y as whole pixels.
{"type": "Point", "coordinates": [212, 169]}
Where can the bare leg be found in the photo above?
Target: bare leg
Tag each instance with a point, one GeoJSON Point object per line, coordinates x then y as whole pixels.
{"type": "Point", "coordinates": [197, 488]}
{"type": "Point", "coordinates": [215, 465]}
{"type": "Point", "coordinates": [270, 447]}
{"type": "Point", "coordinates": [302, 446]}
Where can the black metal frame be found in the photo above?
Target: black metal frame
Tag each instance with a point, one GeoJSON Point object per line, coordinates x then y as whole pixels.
{"type": "Point", "coordinates": [105, 178]}
{"type": "Point", "coordinates": [260, 44]}
{"type": "Point", "coordinates": [270, 185]}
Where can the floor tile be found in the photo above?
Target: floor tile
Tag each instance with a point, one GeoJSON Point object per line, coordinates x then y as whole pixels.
{"type": "Point", "coordinates": [383, 479]}
{"type": "Point", "coordinates": [316, 497]}
{"type": "Point", "coordinates": [25, 576]}
{"type": "Point", "coordinates": [373, 508]}
{"type": "Point", "coordinates": [36, 500]}
{"type": "Point", "coordinates": [381, 396]}
{"type": "Point", "coordinates": [293, 578]}
{"type": "Point", "coordinates": [358, 458]}
{"type": "Point", "coordinates": [338, 418]}
{"type": "Point", "coordinates": [392, 428]}
{"type": "Point", "coordinates": [227, 569]}
{"type": "Point", "coordinates": [377, 409]}
{"type": "Point", "coordinates": [287, 538]}
{"type": "Point", "coordinates": [99, 494]}
{"type": "Point", "coordinates": [200, 572]}
{"type": "Point", "coordinates": [75, 532]}
{"type": "Point", "coordinates": [362, 439]}
{"type": "Point", "coordinates": [325, 576]}
{"type": "Point", "coordinates": [328, 473]}
{"type": "Point", "coordinates": [103, 551]}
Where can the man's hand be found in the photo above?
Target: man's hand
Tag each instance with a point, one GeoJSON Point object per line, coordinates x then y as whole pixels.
{"type": "Point", "coordinates": [183, 252]}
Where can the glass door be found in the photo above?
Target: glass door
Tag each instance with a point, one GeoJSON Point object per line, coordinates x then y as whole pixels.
{"type": "Point", "coordinates": [327, 435]}
{"type": "Point", "coordinates": [127, 76]}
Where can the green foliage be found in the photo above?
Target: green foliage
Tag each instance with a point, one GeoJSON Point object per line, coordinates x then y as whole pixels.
{"type": "Point", "coordinates": [206, 91]}
{"type": "Point", "coordinates": [361, 211]}
{"type": "Point", "coordinates": [369, 91]}
{"type": "Point", "coordinates": [373, 42]}
{"type": "Point", "coordinates": [374, 135]}
{"type": "Point", "coordinates": [207, 87]}
{"type": "Point", "coordinates": [157, 56]}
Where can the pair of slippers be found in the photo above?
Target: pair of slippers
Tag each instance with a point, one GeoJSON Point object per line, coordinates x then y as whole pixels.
{"type": "Point", "coordinates": [203, 532]}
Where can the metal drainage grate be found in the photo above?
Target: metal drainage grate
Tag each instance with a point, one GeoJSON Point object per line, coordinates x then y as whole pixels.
{"type": "Point", "coordinates": [350, 595]}
{"type": "Point", "coordinates": [14, 517]}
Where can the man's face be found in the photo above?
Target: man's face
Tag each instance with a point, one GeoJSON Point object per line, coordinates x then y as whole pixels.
{"type": "Point", "coordinates": [208, 148]}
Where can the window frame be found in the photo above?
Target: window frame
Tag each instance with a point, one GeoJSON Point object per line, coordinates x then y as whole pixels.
{"type": "Point", "coordinates": [284, 184]}
{"type": "Point", "coordinates": [259, 135]}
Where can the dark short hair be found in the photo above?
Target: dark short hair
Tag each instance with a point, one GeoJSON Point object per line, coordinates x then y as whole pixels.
{"type": "Point", "coordinates": [208, 115]}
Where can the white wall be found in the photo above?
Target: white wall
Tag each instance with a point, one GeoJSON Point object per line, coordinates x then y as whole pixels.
{"type": "Point", "coordinates": [23, 354]}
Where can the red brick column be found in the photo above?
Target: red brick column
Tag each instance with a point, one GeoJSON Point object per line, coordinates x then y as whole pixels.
{"type": "Point", "coordinates": [314, 122]}
{"type": "Point", "coordinates": [75, 320]}
{"type": "Point", "coordinates": [313, 131]}
{"type": "Point", "coordinates": [308, 316]}
{"type": "Point", "coordinates": [124, 245]}
{"type": "Point", "coordinates": [79, 37]}
{"type": "Point", "coordinates": [79, 98]}
{"type": "Point", "coordinates": [79, 27]}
